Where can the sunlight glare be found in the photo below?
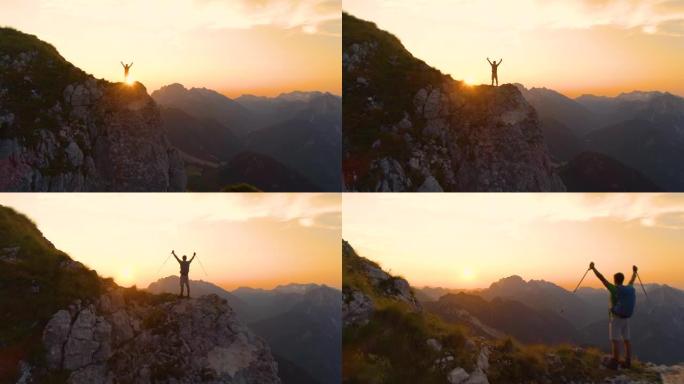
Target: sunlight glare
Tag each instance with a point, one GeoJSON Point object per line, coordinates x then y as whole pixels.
{"type": "Point", "coordinates": [468, 274]}
{"type": "Point", "coordinates": [126, 277]}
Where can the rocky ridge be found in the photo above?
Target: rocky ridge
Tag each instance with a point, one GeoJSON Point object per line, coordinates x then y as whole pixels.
{"type": "Point", "coordinates": [63, 130]}
{"type": "Point", "coordinates": [410, 128]}
{"type": "Point", "coordinates": [120, 339]}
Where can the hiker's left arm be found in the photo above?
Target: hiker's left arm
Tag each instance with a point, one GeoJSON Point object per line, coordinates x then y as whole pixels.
{"type": "Point", "coordinates": [500, 61]}
{"type": "Point", "coordinates": [193, 256]}
{"type": "Point", "coordinates": [634, 274]}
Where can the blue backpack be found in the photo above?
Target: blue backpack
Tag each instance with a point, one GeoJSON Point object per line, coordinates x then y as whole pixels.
{"type": "Point", "coordinates": [626, 301]}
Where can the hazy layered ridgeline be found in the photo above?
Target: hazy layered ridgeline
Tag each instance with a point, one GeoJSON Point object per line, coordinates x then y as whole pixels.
{"type": "Point", "coordinates": [250, 139]}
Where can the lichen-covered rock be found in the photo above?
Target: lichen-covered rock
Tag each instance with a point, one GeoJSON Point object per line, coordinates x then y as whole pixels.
{"type": "Point", "coordinates": [177, 341]}
{"type": "Point", "coordinates": [71, 132]}
{"type": "Point", "coordinates": [419, 130]}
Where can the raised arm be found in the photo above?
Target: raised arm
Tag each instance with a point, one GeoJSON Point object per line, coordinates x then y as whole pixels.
{"type": "Point", "coordinates": [122, 64]}
{"type": "Point", "coordinates": [490, 63]}
{"type": "Point", "coordinates": [131, 65]}
{"type": "Point", "coordinates": [174, 255]}
{"type": "Point", "coordinates": [599, 275]}
{"type": "Point", "coordinates": [193, 256]}
{"type": "Point", "coordinates": [634, 274]}
{"type": "Point", "coordinates": [500, 61]}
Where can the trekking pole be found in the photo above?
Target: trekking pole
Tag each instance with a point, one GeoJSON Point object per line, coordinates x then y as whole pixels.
{"type": "Point", "coordinates": [205, 271]}
{"type": "Point", "coordinates": [163, 264]}
{"type": "Point", "coordinates": [580, 282]}
{"type": "Point", "coordinates": [642, 286]}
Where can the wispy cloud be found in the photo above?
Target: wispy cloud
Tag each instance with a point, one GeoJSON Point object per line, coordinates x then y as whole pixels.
{"type": "Point", "coordinates": [306, 16]}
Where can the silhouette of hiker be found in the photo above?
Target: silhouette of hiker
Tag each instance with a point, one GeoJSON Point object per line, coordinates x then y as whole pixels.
{"type": "Point", "coordinates": [622, 303]}
{"type": "Point", "coordinates": [495, 66]}
{"type": "Point", "coordinates": [184, 271]}
{"type": "Point", "coordinates": [127, 67]}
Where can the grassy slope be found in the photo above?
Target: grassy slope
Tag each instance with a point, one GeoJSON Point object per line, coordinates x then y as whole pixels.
{"type": "Point", "coordinates": [49, 75]}
{"type": "Point", "coordinates": [396, 75]}
{"type": "Point", "coordinates": [392, 347]}
{"type": "Point", "coordinates": [24, 314]}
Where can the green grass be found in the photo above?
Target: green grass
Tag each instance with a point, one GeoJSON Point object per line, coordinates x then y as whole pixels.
{"type": "Point", "coordinates": [24, 313]}
{"type": "Point", "coordinates": [48, 74]}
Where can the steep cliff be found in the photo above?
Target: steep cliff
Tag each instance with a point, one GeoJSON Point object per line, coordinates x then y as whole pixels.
{"type": "Point", "coordinates": [408, 127]}
{"type": "Point", "coordinates": [63, 130]}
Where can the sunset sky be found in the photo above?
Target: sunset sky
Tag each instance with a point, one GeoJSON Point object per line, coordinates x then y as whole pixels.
{"type": "Point", "coordinates": [471, 240]}
{"type": "Point", "coordinates": [261, 47]}
{"type": "Point", "coordinates": [256, 240]}
{"type": "Point", "coordinates": [602, 47]}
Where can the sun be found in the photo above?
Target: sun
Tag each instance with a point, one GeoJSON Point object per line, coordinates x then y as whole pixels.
{"type": "Point", "coordinates": [469, 81]}
{"type": "Point", "coordinates": [468, 274]}
{"type": "Point", "coordinates": [126, 277]}
{"type": "Point", "coordinates": [129, 80]}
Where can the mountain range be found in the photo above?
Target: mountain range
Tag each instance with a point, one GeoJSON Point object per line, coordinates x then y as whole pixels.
{"type": "Point", "coordinates": [212, 130]}
{"type": "Point", "coordinates": [391, 337]}
{"type": "Point", "coordinates": [639, 136]}
{"type": "Point", "coordinates": [300, 322]}
{"type": "Point", "coordinates": [538, 311]}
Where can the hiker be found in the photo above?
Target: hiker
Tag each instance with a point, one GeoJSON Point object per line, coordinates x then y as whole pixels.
{"type": "Point", "coordinates": [127, 68]}
{"type": "Point", "coordinates": [184, 271]}
{"type": "Point", "coordinates": [495, 66]}
{"type": "Point", "coordinates": [622, 303]}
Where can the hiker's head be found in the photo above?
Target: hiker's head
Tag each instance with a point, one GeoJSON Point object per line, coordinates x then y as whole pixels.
{"type": "Point", "coordinates": [185, 257]}
{"type": "Point", "coordinates": [619, 278]}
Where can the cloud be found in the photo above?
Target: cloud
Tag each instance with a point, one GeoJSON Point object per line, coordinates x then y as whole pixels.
{"type": "Point", "coordinates": [511, 16]}
{"type": "Point", "coordinates": [306, 16]}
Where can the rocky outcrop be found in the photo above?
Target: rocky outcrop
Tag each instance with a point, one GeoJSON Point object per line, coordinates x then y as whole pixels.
{"type": "Point", "coordinates": [175, 341]}
{"type": "Point", "coordinates": [410, 128]}
{"type": "Point", "coordinates": [63, 130]}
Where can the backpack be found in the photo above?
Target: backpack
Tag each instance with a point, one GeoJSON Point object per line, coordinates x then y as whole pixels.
{"type": "Point", "coordinates": [626, 301]}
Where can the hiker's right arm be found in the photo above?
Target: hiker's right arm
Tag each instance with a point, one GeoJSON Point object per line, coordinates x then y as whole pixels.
{"type": "Point", "coordinates": [174, 255]}
{"type": "Point", "coordinates": [634, 274]}
{"type": "Point", "coordinates": [489, 61]}
{"type": "Point", "coordinates": [599, 275]}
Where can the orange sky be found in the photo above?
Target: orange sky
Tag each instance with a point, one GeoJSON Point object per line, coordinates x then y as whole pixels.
{"type": "Point", "coordinates": [602, 47]}
{"type": "Point", "coordinates": [256, 240]}
{"type": "Point", "coordinates": [461, 240]}
{"type": "Point", "coordinates": [260, 47]}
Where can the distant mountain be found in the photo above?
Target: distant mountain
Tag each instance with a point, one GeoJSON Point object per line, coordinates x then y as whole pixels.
{"type": "Point", "coordinates": [203, 104]}
{"type": "Point", "coordinates": [540, 295]}
{"type": "Point", "coordinates": [509, 316]}
{"type": "Point", "coordinates": [301, 130]}
{"type": "Point", "coordinates": [309, 333]}
{"type": "Point", "coordinates": [171, 284]}
{"type": "Point", "coordinates": [206, 140]}
{"type": "Point", "coordinates": [266, 304]}
{"type": "Point", "coordinates": [643, 131]}
{"type": "Point", "coordinates": [434, 293]}
{"type": "Point", "coordinates": [594, 172]}
{"type": "Point", "coordinates": [649, 138]}
{"type": "Point", "coordinates": [260, 171]}
{"type": "Point", "coordinates": [552, 106]}
{"type": "Point", "coordinates": [409, 127]}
